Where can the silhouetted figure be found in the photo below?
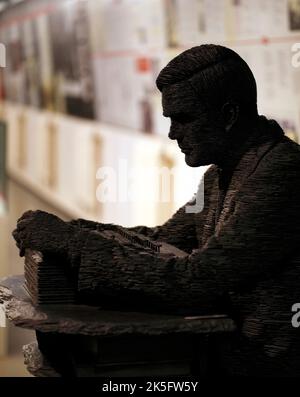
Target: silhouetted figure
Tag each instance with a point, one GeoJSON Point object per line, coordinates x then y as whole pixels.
{"type": "Point", "coordinates": [241, 250]}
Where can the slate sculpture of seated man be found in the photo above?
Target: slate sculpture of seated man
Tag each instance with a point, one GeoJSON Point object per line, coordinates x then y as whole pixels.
{"type": "Point", "coordinates": [241, 249]}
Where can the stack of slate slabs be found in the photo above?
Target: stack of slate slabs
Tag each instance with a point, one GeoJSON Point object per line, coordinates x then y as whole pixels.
{"type": "Point", "coordinates": [46, 281]}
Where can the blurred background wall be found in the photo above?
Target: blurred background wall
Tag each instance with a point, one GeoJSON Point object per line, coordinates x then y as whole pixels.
{"type": "Point", "coordinates": [80, 113]}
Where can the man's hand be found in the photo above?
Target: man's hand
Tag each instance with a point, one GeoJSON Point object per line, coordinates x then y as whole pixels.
{"type": "Point", "coordinates": [41, 231]}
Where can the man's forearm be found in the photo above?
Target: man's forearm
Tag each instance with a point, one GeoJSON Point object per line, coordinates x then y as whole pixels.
{"type": "Point", "coordinates": [178, 231]}
{"type": "Point", "coordinates": [127, 273]}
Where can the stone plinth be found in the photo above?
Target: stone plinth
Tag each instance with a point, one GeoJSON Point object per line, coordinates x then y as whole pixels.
{"type": "Point", "coordinates": [79, 340]}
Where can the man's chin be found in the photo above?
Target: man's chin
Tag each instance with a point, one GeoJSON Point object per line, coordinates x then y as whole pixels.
{"type": "Point", "coordinates": [196, 161]}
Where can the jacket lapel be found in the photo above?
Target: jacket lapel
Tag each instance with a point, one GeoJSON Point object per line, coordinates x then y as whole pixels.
{"type": "Point", "coordinates": [209, 223]}
{"type": "Point", "coordinates": [244, 169]}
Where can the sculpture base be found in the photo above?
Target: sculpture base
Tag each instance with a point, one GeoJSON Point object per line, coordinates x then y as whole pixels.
{"type": "Point", "coordinates": [78, 340]}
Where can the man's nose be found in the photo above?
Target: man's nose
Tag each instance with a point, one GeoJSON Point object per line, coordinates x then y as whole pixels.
{"type": "Point", "coordinates": [174, 132]}
{"type": "Point", "coordinates": [171, 135]}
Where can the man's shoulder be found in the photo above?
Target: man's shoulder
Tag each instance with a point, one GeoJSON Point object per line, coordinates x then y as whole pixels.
{"type": "Point", "coordinates": [289, 146]}
{"type": "Point", "coordinates": [284, 156]}
{"type": "Point", "coordinates": [276, 170]}
{"type": "Point", "coordinates": [272, 161]}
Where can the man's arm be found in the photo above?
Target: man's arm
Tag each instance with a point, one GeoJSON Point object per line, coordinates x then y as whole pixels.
{"type": "Point", "coordinates": [252, 245]}
{"type": "Point", "coordinates": [179, 230]}
{"type": "Point", "coordinates": [39, 230]}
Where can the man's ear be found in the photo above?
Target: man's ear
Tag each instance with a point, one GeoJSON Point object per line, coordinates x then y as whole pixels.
{"type": "Point", "coordinates": [230, 112]}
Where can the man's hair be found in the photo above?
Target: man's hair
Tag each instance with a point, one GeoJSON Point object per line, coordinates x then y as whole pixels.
{"type": "Point", "coordinates": [217, 75]}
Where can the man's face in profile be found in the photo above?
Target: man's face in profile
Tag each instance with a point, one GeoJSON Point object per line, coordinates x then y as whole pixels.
{"type": "Point", "coordinates": [199, 136]}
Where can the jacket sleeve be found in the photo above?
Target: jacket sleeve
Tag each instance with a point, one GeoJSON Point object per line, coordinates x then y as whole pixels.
{"type": "Point", "coordinates": [255, 242]}
{"type": "Point", "coordinates": [180, 229]}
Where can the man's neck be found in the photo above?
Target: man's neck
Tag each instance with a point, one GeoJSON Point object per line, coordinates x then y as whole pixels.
{"type": "Point", "coordinates": [239, 141]}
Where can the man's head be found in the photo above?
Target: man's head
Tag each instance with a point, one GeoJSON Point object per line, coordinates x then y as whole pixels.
{"type": "Point", "coordinates": [209, 93]}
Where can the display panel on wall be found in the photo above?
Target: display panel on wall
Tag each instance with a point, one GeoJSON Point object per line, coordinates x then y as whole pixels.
{"type": "Point", "coordinates": [2, 168]}
{"type": "Point", "coordinates": [72, 71]}
{"type": "Point", "coordinates": [48, 56]}
{"type": "Point", "coordinates": [99, 59]}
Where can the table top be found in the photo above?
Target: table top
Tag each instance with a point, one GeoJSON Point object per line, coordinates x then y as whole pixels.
{"type": "Point", "coordinates": [92, 320]}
